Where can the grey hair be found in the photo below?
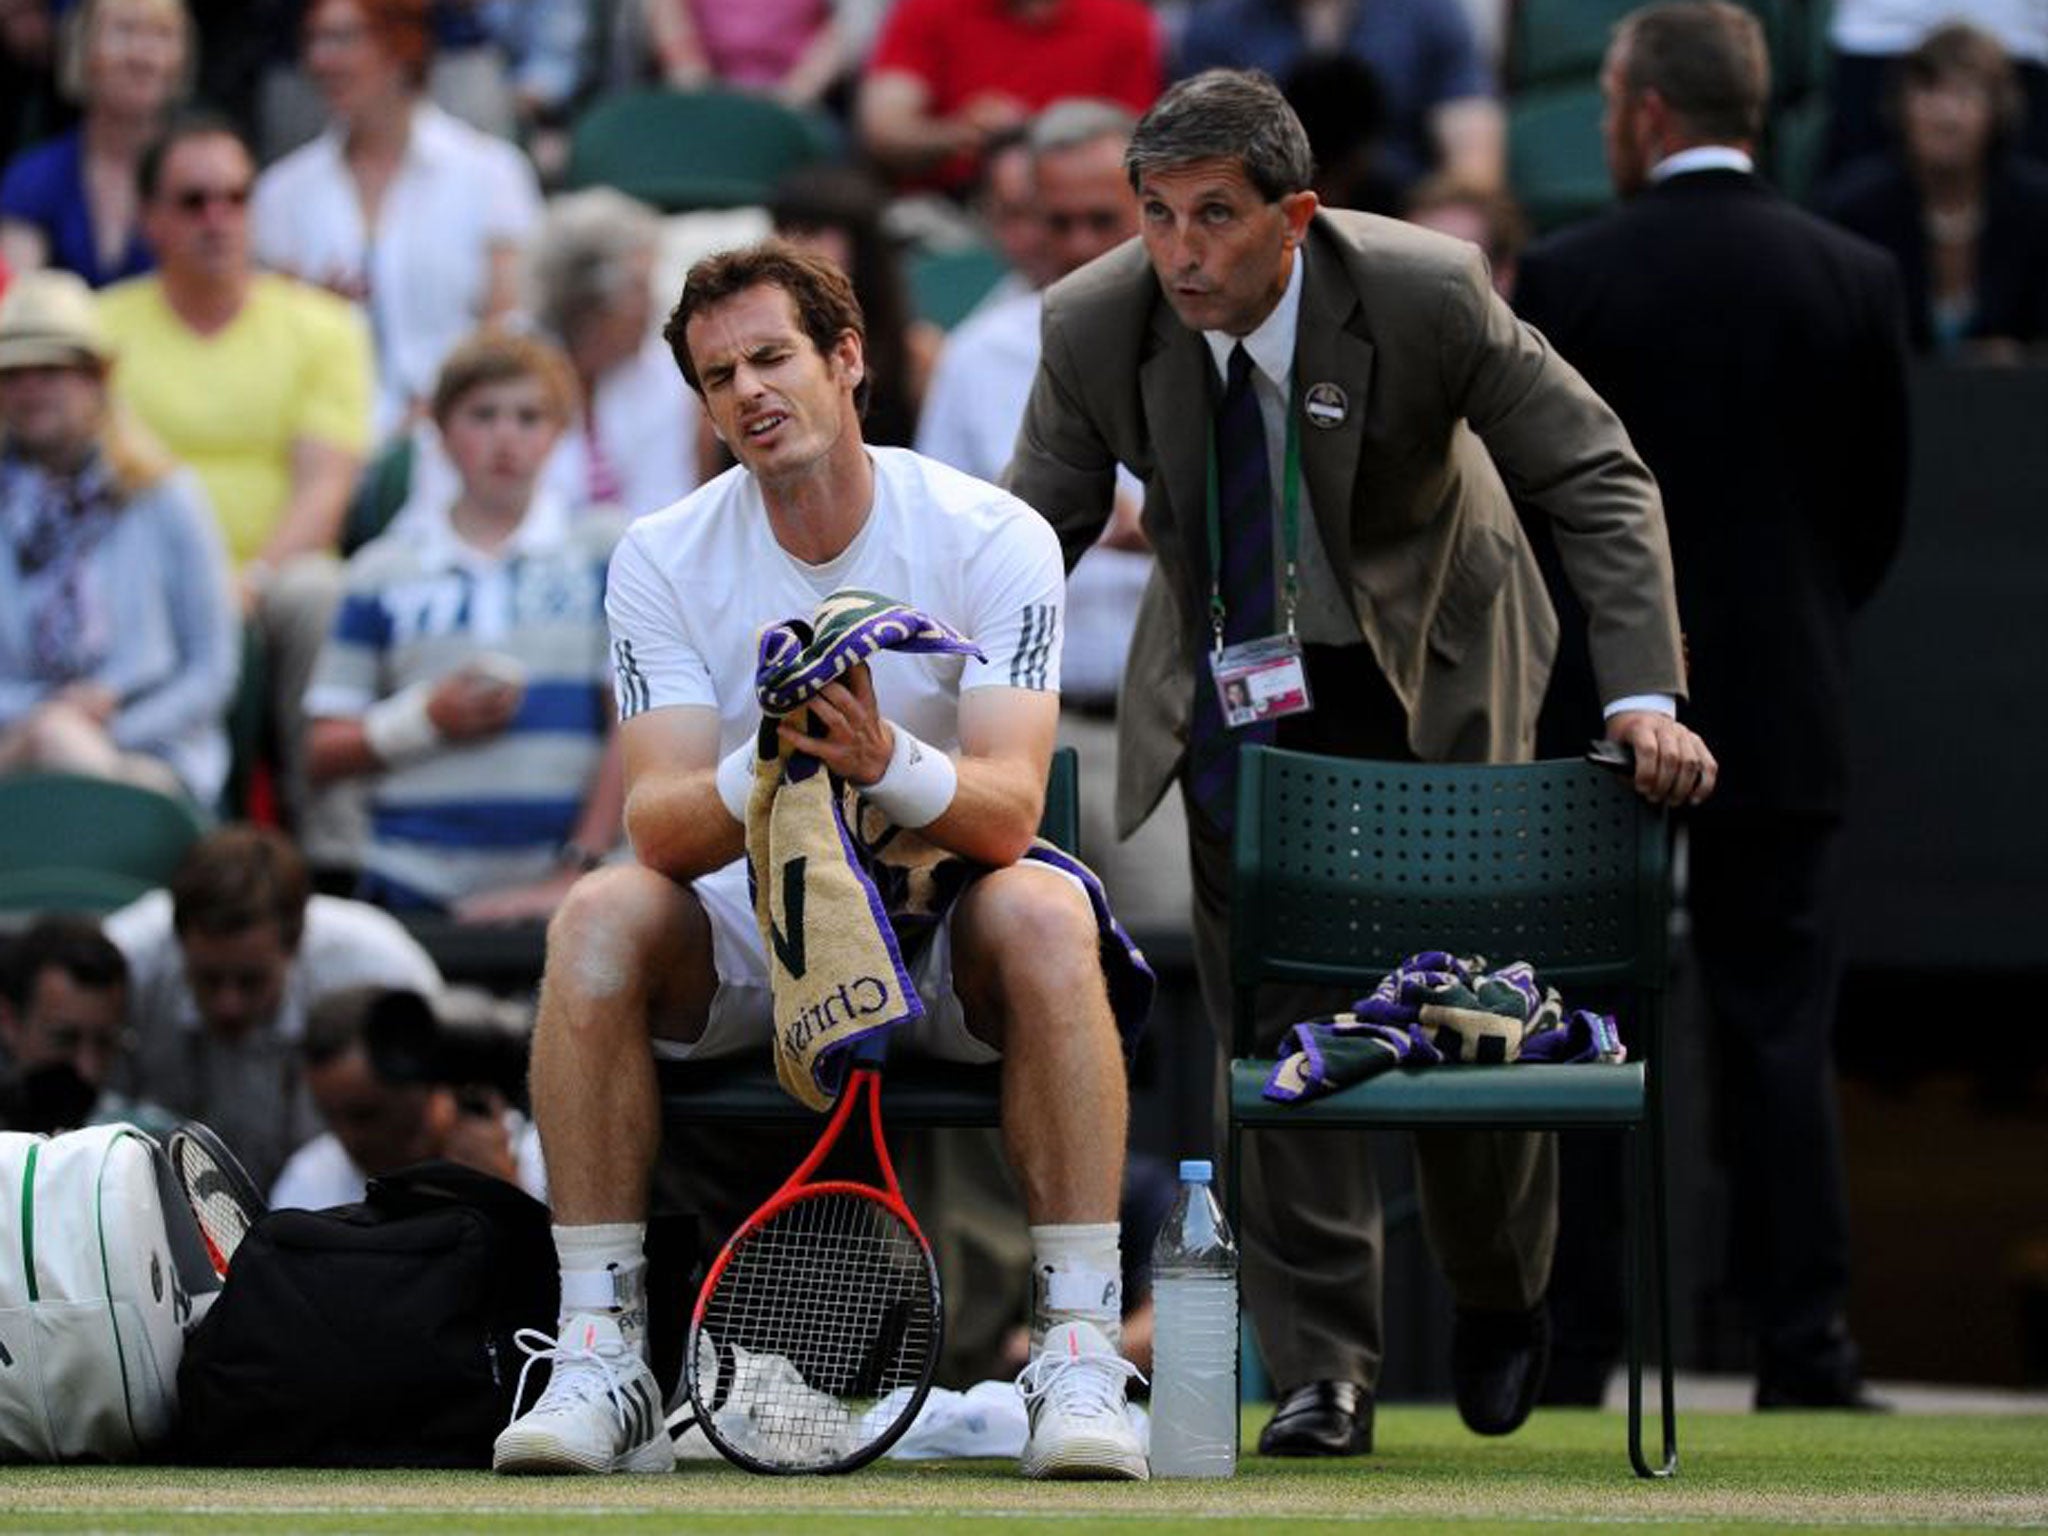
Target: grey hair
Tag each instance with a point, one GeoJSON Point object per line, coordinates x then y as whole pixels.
{"type": "Point", "coordinates": [1225, 114]}
{"type": "Point", "coordinates": [584, 255]}
{"type": "Point", "coordinates": [1077, 120]}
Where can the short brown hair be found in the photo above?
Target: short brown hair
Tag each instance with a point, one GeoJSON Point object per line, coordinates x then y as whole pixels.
{"type": "Point", "coordinates": [1959, 50]}
{"type": "Point", "coordinates": [822, 294]}
{"type": "Point", "coordinates": [239, 877]}
{"type": "Point", "coordinates": [494, 357]}
{"type": "Point", "coordinates": [1507, 228]}
{"type": "Point", "coordinates": [403, 30]}
{"type": "Point", "coordinates": [1706, 58]}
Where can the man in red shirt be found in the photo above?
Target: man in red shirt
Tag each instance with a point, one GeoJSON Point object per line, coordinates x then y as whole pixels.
{"type": "Point", "coordinates": [949, 75]}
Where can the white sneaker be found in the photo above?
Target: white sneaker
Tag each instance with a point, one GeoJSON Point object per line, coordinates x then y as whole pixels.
{"type": "Point", "coordinates": [601, 1411]}
{"type": "Point", "coordinates": [1074, 1394]}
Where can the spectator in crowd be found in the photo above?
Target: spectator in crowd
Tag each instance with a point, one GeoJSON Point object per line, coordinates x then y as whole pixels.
{"type": "Point", "coordinates": [1963, 213]}
{"type": "Point", "coordinates": [947, 76]}
{"type": "Point", "coordinates": [260, 384]}
{"type": "Point", "coordinates": [398, 206]}
{"type": "Point", "coordinates": [1242, 298]}
{"type": "Point", "coordinates": [64, 1027]}
{"type": "Point", "coordinates": [383, 1114]}
{"type": "Point", "coordinates": [1343, 110]}
{"type": "Point", "coordinates": [1441, 111]}
{"type": "Point", "coordinates": [263, 386]}
{"type": "Point", "coordinates": [225, 964]}
{"type": "Point", "coordinates": [31, 107]}
{"type": "Point", "coordinates": [468, 674]}
{"type": "Point", "coordinates": [1487, 218]}
{"type": "Point", "coordinates": [71, 202]}
{"type": "Point", "coordinates": [1870, 38]}
{"type": "Point", "coordinates": [1006, 203]}
{"type": "Point", "coordinates": [118, 650]}
{"type": "Point", "coordinates": [663, 954]}
{"type": "Point", "coordinates": [793, 50]}
{"type": "Point", "coordinates": [1771, 404]}
{"type": "Point", "coordinates": [635, 442]}
{"type": "Point", "coordinates": [836, 211]}
{"type": "Point", "coordinates": [508, 67]}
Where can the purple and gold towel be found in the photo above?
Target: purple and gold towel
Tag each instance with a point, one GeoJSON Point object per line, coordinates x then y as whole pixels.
{"type": "Point", "coordinates": [843, 895]}
{"type": "Point", "coordinates": [1436, 1007]}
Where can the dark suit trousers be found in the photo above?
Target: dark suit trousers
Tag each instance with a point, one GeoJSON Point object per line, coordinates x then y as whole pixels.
{"type": "Point", "coordinates": [1310, 1203]}
{"type": "Point", "coordinates": [1766, 899]}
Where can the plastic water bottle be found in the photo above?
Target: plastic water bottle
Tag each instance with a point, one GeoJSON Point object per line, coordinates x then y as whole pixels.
{"type": "Point", "coordinates": [1194, 1345]}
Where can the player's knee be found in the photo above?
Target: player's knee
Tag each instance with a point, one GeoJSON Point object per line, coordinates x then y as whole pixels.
{"type": "Point", "coordinates": [1036, 918]}
{"type": "Point", "coordinates": [606, 931]}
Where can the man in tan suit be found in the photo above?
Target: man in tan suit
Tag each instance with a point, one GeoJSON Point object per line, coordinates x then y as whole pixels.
{"type": "Point", "coordinates": [1249, 328]}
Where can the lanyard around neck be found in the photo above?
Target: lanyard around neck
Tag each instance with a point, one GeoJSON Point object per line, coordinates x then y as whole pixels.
{"type": "Point", "coordinates": [1290, 519]}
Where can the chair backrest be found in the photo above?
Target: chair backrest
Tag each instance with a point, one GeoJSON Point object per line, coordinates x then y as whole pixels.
{"type": "Point", "coordinates": [946, 285]}
{"type": "Point", "coordinates": [1060, 824]}
{"type": "Point", "coordinates": [1557, 160]}
{"type": "Point", "coordinates": [692, 149]}
{"type": "Point", "coordinates": [72, 842]}
{"type": "Point", "coordinates": [1342, 868]}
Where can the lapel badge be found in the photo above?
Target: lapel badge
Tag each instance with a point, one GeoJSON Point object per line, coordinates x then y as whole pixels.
{"type": "Point", "coordinates": [1325, 406]}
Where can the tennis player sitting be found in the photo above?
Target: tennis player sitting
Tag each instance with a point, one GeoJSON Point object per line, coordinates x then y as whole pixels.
{"type": "Point", "coordinates": [956, 747]}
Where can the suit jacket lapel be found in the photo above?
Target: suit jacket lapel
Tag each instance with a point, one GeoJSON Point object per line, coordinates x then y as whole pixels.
{"type": "Point", "coordinates": [1173, 383]}
{"type": "Point", "coordinates": [1330, 349]}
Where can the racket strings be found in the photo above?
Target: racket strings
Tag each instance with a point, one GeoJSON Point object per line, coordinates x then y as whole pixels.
{"type": "Point", "coordinates": [218, 1203]}
{"type": "Point", "coordinates": [824, 1312]}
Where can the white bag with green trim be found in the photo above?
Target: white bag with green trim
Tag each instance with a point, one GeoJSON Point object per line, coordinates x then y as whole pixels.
{"type": "Point", "coordinates": [102, 1270]}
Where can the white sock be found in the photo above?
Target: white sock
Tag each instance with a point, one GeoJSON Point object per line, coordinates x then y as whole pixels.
{"type": "Point", "coordinates": [604, 1269]}
{"type": "Point", "coordinates": [1077, 1276]}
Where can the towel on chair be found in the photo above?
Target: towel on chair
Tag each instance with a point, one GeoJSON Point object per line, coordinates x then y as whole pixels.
{"type": "Point", "coordinates": [1433, 1008]}
{"type": "Point", "coordinates": [842, 895]}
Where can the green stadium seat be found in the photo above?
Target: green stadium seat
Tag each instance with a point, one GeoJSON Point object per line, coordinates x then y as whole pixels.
{"type": "Point", "coordinates": [74, 843]}
{"type": "Point", "coordinates": [1343, 868]}
{"type": "Point", "coordinates": [680, 150]}
{"type": "Point", "coordinates": [946, 285]}
{"type": "Point", "coordinates": [1557, 160]}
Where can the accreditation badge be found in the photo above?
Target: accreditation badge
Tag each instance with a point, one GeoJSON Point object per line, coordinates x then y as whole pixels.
{"type": "Point", "coordinates": [1260, 680]}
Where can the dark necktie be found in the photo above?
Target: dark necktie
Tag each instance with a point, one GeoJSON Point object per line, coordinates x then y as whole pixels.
{"type": "Point", "coordinates": [1244, 495]}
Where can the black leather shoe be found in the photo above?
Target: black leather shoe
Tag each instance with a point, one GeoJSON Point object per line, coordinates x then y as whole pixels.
{"type": "Point", "coordinates": [1323, 1418]}
{"type": "Point", "coordinates": [1498, 1360]}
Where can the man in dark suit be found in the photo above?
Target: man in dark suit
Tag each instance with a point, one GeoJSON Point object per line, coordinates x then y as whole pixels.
{"type": "Point", "coordinates": [1757, 357]}
{"type": "Point", "coordinates": [1248, 329]}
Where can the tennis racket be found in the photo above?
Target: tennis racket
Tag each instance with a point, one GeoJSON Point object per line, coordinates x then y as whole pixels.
{"type": "Point", "coordinates": [222, 1195]}
{"type": "Point", "coordinates": [815, 1335]}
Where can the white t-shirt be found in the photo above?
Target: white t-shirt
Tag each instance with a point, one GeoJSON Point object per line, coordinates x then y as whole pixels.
{"type": "Point", "coordinates": [693, 585]}
{"type": "Point", "coordinates": [422, 275]}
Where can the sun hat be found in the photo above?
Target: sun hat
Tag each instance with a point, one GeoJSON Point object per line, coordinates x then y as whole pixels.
{"type": "Point", "coordinates": [49, 319]}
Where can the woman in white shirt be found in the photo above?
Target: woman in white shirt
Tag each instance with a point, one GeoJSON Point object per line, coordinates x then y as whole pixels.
{"type": "Point", "coordinates": [416, 216]}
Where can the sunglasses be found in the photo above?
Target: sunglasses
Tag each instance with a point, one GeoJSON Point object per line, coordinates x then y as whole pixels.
{"type": "Point", "coordinates": [199, 199]}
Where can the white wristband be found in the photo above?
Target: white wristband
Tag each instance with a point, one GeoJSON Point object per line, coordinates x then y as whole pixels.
{"type": "Point", "coordinates": [736, 780]}
{"type": "Point", "coordinates": [917, 786]}
{"type": "Point", "coordinates": [399, 729]}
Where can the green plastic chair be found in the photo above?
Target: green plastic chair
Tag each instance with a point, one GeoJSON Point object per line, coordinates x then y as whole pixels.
{"type": "Point", "coordinates": [913, 1092]}
{"type": "Point", "coordinates": [1343, 868]}
{"type": "Point", "coordinates": [693, 149]}
{"type": "Point", "coordinates": [946, 285]}
{"type": "Point", "coordinates": [73, 843]}
{"type": "Point", "coordinates": [1553, 42]}
{"type": "Point", "coordinates": [1557, 160]}
{"type": "Point", "coordinates": [380, 491]}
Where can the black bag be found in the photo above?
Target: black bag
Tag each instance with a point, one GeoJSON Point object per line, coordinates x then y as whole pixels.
{"type": "Point", "coordinates": [372, 1335]}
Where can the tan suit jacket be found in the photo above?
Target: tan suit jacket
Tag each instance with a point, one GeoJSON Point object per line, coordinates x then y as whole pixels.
{"type": "Point", "coordinates": [1452, 402]}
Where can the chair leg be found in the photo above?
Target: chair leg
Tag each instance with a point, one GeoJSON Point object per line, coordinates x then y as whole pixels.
{"type": "Point", "coordinates": [1649, 1294]}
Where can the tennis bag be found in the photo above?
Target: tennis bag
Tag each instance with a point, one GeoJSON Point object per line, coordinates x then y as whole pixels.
{"type": "Point", "coordinates": [372, 1335]}
{"type": "Point", "coordinates": [102, 1270]}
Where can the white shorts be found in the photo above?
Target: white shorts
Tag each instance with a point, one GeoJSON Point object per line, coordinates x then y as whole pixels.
{"type": "Point", "coordinates": [742, 1019]}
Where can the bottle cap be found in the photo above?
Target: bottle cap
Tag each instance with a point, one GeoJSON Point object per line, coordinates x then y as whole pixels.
{"type": "Point", "coordinates": [1196, 1170]}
